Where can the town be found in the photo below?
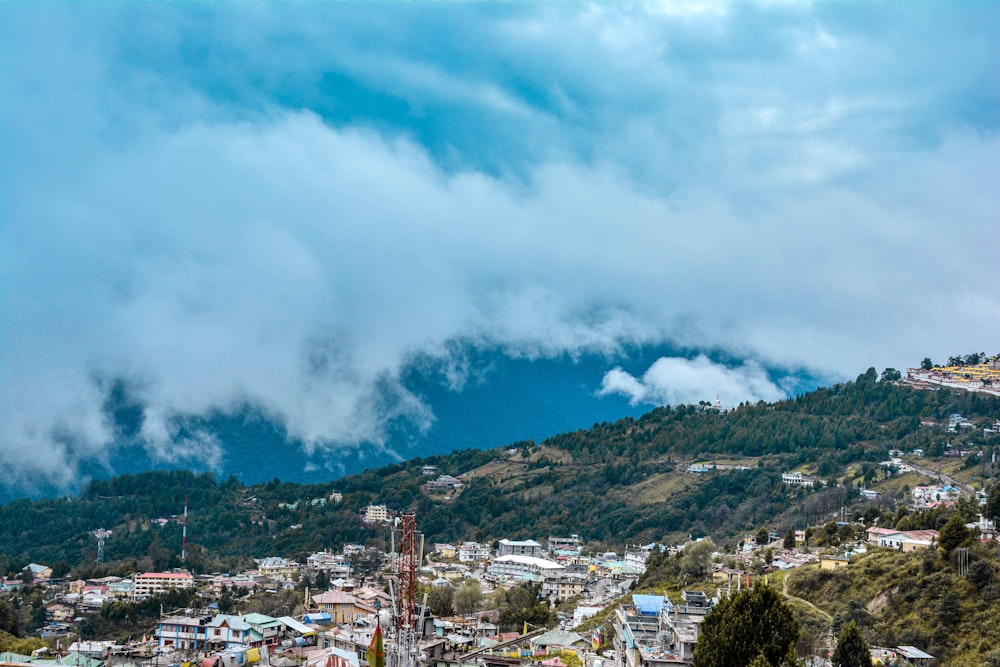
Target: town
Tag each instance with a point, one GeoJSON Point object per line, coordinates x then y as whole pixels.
{"type": "Point", "coordinates": [437, 606]}
{"type": "Point", "coordinates": [557, 600]}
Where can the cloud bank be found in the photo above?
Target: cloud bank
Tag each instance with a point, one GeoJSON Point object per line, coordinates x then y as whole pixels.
{"type": "Point", "coordinates": [284, 205]}
{"type": "Point", "coordinates": [677, 381]}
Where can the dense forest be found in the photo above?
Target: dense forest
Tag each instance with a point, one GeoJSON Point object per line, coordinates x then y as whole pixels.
{"type": "Point", "coordinates": [615, 482]}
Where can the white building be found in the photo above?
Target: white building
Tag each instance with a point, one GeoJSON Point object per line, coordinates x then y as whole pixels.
{"type": "Point", "coordinates": [514, 566]}
{"type": "Point", "coordinates": [471, 552]}
{"type": "Point", "coordinates": [520, 548]}
{"type": "Point", "coordinates": [797, 479]}
{"type": "Point", "coordinates": [154, 583]}
{"type": "Point", "coordinates": [376, 514]}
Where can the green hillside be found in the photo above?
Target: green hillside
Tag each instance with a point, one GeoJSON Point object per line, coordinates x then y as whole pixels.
{"type": "Point", "coordinates": [613, 483]}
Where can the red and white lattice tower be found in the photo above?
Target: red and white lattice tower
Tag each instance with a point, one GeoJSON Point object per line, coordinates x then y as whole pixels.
{"type": "Point", "coordinates": [407, 566]}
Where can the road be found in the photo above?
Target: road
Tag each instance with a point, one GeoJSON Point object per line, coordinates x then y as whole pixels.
{"type": "Point", "coordinates": [940, 477]}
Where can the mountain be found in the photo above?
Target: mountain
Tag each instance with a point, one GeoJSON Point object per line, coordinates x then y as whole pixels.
{"type": "Point", "coordinates": [504, 399]}
{"type": "Point", "coordinates": [628, 481]}
{"type": "Point", "coordinates": [616, 482]}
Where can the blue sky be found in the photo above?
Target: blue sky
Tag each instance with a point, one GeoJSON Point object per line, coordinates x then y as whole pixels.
{"type": "Point", "coordinates": [285, 203]}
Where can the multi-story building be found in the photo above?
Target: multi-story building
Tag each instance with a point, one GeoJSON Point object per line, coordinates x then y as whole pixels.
{"type": "Point", "coordinates": [519, 548]}
{"type": "Point", "coordinates": [183, 633]}
{"type": "Point", "coordinates": [797, 479]}
{"type": "Point", "coordinates": [154, 583]}
{"type": "Point", "coordinates": [471, 552]}
{"type": "Point", "coordinates": [343, 607]}
{"type": "Point", "coordinates": [376, 514]}
{"type": "Point", "coordinates": [274, 567]}
{"type": "Point", "coordinates": [225, 631]}
{"type": "Point", "coordinates": [571, 543]}
{"type": "Point", "coordinates": [267, 627]}
{"type": "Point", "coordinates": [652, 632]}
{"type": "Point", "coordinates": [518, 566]}
{"type": "Point", "coordinates": [563, 586]}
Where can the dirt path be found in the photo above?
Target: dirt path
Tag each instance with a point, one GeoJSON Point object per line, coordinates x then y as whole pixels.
{"type": "Point", "coordinates": [807, 603]}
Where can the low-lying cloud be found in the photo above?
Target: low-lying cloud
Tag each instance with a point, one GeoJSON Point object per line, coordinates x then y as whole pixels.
{"type": "Point", "coordinates": [677, 380]}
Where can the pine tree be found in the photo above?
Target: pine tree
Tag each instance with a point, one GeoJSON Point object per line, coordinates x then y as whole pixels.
{"type": "Point", "coordinates": [750, 625]}
{"type": "Point", "coordinates": [852, 649]}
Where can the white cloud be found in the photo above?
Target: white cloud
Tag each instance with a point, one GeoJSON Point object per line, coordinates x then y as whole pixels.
{"type": "Point", "coordinates": [677, 381]}
{"type": "Point", "coordinates": [187, 223]}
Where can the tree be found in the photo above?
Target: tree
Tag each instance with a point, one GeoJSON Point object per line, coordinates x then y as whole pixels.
{"type": "Point", "coordinates": [522, 604]}
{"type": "Point", "coordinates": [992, 509]}
{"type": "Point", "coordinates": [750, 624]}
{"type": "Point", "coordinates": [441, 600]}
{"type": "Point", "coordinates": [696, 557]}
{"type": "Point", "coordinates": [762, 537]}
{"type": "Point", "coordinates": [8, 618]}
{"type": "Point", "coordinates": [954, 533]}
{"type": "Point", "coordinates": [789, 542]}
{"type": "Point", "coordinates": [852, 649]}
{"type": "Point", "coordinates": [927, 364]}
{"type": "Point", "coordinates": [890, 375]}
{"type": "Point", "coordinates": [468, 598]}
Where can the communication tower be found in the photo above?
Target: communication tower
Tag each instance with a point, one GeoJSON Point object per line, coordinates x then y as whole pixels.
{"type": "Point", "coordinates": [101, 534]}
{"type": "Point", "coordinates": [405, 619]}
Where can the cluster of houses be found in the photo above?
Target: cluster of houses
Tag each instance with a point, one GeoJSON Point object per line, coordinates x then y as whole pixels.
{"type": "Point", "coordinates": [984, 377]}
{"type": "Point", "coordinates": [338, 622]}
{"type": "Point", "coordinates": [655, 631]}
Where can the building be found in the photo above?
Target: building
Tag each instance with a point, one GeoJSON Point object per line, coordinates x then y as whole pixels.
{"type": "Point", "coordinates": [563, 586]}
{"type": "Point", "coordinates": [39, 573]}
{"type": "Point", "coordinates": [182, 633]}
{"type": "Point", "coordinates": [635, 560]}
{"type": "Point", "coordinates": [443, 484]}
{"type": "Point", "coordinates": [343, 608]}
{"type": "Point", "coordinates": [641, 638]}
{"type": "Point", "coordinates": [683, 621]}
{"type": "Point", "coordinates": [149, 584]}
{"type": "Point", "coordinates": [471, 552]}
{"type": "Point", "coordinates": [376, 514]}
{"type": "Point", "coordinates": [797, 479]}
{"type": "Point", "coordinates": [513, 566]}
{"type": "Point", "coordinates": [225, 631]}
{"type": "Point", "coordinates": [520, 548]}
{"type": "Point", "coordinates": [274, 567]}
{"type": "Point", "coordinates": [833, 562]}
{"type": "Point", "coordinates": [902, 540]}
{"type": "Point", "coordinates": [571, 543]}
{"type": "Point", "coordinates": [446, 550]}
{"type": "Point", "coordinates": [269, 628]}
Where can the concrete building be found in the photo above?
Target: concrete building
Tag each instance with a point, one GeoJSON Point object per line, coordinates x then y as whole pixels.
{"type": "Point", "coordinates": [519, 548]}
{"type": "Point", "coordinates": [154, 583]}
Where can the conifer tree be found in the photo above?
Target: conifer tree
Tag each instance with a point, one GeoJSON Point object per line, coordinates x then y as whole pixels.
{"type": "Point", "coordinates": [753, 624]}
{"type": "Point", "coordinates": [852, 649]}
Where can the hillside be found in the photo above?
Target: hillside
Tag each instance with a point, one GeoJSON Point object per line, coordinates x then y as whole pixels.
{"type": "Point", "coordinates": [615, 482]}
{"type": "Point", "coordinates": [491, 400]}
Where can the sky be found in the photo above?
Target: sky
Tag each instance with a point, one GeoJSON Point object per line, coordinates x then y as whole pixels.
{"type": "Point", "coordinates": [284, 205]}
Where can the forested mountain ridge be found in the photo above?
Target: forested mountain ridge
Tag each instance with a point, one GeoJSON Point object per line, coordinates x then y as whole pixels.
{"type": "Point", "coordinates": [615, 482]}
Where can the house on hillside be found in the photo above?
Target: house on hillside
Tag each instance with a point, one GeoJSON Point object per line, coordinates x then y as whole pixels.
{"type": "Point", "coordinates": [39, 573]}
{"type": "Point", "coordinates": [797, 479]}
{"type": "Point", "coordinates": [343, 607]}
{"type": "Point", "coordinates": [902, 540]}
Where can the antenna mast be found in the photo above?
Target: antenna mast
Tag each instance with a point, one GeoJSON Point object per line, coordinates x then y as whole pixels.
{"type": "Point", "coordinates": [184, 532]}
{"type": "Point", "coordinates": [407, 564]}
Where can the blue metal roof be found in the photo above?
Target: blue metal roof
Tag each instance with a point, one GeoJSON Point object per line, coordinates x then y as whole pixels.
{"type": "Point", "coordinates": [647, 605]}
